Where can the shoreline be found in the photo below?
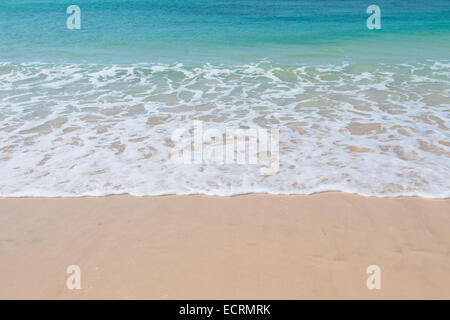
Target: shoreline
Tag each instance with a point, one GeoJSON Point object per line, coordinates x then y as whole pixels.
{"type": "Point", "coordinates": [255, 246]}
{"type": "Point", "coordinates": [377, 196]}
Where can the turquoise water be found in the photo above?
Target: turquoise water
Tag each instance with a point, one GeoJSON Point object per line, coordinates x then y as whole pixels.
{"type": "Point", "coordinates": [94, 111]}
{"type": "Point", "coordinates": [235, 31]}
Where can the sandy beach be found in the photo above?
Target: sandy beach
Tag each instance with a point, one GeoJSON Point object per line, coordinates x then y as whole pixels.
{"type": "Point", "coordinates": [243, 247]}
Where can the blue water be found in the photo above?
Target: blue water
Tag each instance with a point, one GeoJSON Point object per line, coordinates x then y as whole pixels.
{"type": "Point", "coordinates": [234, 31]}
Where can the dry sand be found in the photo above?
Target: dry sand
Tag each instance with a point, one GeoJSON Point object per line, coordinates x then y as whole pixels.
{"type": "Point", "coordinates": [244, 247]}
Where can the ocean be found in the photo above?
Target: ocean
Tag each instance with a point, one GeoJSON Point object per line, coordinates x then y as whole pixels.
{"type": "Point", "coordinates": [94, 111]}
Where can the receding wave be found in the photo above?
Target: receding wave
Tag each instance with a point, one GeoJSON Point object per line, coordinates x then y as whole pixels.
{"type": "Point", "coordinates": [372, 129]}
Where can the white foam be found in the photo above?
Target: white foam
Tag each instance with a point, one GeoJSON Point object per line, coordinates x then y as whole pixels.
{"type": "Point", "coordinates": [77, 130]}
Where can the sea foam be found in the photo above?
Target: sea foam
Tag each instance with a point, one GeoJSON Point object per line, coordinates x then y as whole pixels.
{"type": "Point", "coordinates": [77, 130]}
